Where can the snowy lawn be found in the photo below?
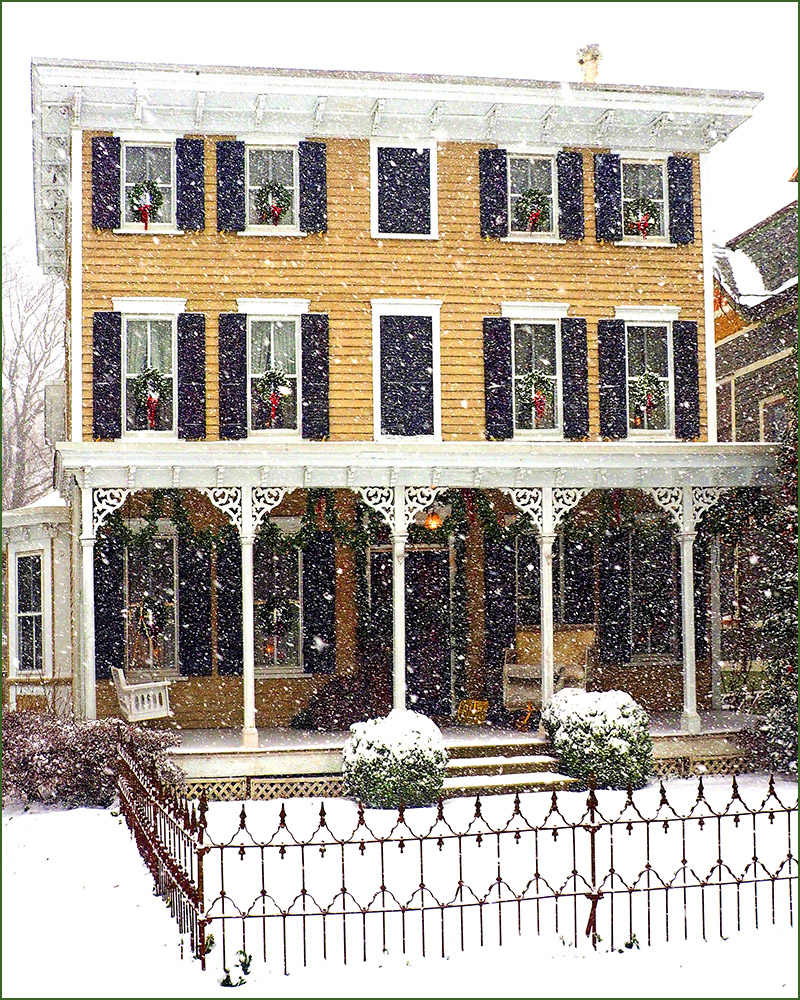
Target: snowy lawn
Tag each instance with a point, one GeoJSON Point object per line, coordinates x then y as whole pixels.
{"type": "Point", "coordinates": [81, 920]}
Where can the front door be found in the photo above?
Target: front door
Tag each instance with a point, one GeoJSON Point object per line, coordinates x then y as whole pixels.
{"type": "Point", "coordinates": [427, 623]}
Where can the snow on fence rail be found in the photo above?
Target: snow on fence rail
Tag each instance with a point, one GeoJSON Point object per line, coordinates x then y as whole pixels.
{"type": "Point", "coordinates": [292, 883]}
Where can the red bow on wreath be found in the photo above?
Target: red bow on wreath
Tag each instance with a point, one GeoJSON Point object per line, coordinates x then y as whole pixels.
{"type": "Point", "coordinates": [643, 224]}
{"type": "Point", "coordinates": [144, 215]}
{"type": "Point", "coordinates": [274, 399]}
{"type": "Point", "coordinates": [539, 404]}
{"type": "Point", "coordinates": [277, 211]}
{"type": "Point", "coordinates": [649, 404]}
{"type": "Point", "coordinates": [533, 218]}
{"type": "Point", "coordinates": [152, 405]}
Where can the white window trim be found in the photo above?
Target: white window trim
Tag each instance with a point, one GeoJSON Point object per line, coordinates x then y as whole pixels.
{"type": "Point", "coordinates": [267, 229]}
{"type": "Point", "coordinates": [293, 433]}
{"type": "Point", "coordinates": [44, 551]}
{"type": "Point", "coordinates": [273, 307]}
{"type": "Point", "coordinates": [171, 435]}
{"type": "Point", "coordinates": [406, 307]}
{"type": "Point", "coordinates": [156, 228]}
{"type": "Point", "coordinates": [534, 310]}
{"type": "Point", "coordinates": [297, 670]}
{"type": "Point", "coordinates": [430, 144]}
{"type": "Point", "coordinates": [762, 405]}
{"type": "Point", "coordinates": [539, 433]}
{"type": "Point", "coordinates": [646, 433]}
{"type": "Point", "coordinates": [523, 237]}
{"type": "Point", "coordinates": [165, 529]}
{"type": "Point", "coordinates": [140, 305]}
{"type": "Point", "coordinates": [647, 314]}
{"type": "Point", "coordinates": [650, 241]}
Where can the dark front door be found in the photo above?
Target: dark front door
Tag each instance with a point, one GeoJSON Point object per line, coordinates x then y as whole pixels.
{"type": "Point", "coordinates": [427, 623]}
{"type": "Point", "coordinates": [428, 630]}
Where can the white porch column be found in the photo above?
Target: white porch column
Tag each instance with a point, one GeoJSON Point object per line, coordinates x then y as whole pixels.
{"type": "Point", "coordinates": [716, 627]}
{"type": "Point", "coordinates": [546, 538]}
{"type": "Point", "coordinates": [690, 720]}
{"type": "Point", "coordinates": [399, 599]}
{"type": "Point", "coordinates": [247, 537]}
{"type": "Point", "coordinates": [89, 683]}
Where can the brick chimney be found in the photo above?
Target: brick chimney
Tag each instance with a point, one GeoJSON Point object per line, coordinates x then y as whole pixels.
{"type": "Point", "coordinates": [589, 61]}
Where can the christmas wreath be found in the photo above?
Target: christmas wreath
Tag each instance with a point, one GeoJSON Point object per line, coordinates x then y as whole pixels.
{"type": "Point", "coordinates": [538, 388]}
{"type": "Point", "coordinates": [145, 200]}
{"type": "Point", "coordinates": [646, 393]}
{"type": "Point", "coordinates": [533, 211]}
{"type": "Point", "coordinates": [641, 216]}
{"type": "Point", "coordinates": [272, 385]}
{"type": "Point", "coordinates": [148, 386]}
{"type": "Point", "coordinates": [272, 199]}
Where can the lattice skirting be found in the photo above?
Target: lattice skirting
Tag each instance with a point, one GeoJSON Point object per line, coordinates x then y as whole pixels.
{"type": "Point", "coordinates": [687, 767]}
{"type": "Point", "coordinates": [239, 789]}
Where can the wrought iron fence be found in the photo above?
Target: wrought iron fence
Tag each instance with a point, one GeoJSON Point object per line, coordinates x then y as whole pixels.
{"type": "Point", "coordinates": [291, 884]}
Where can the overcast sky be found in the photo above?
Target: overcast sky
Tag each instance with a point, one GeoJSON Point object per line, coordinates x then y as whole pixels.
{"type": "Point", "coordinates": [729, 46]}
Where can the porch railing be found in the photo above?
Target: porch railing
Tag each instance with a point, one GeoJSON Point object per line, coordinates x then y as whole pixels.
{"type": "Point", "coordinates": [292, 884]}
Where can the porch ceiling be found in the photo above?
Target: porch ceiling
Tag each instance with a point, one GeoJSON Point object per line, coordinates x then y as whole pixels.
{"type": "Point", "coordinates": [346, 465]}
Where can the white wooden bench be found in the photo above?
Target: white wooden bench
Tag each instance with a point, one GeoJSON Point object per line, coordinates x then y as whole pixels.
{"type": "Point", "coordinates": [140, 702]}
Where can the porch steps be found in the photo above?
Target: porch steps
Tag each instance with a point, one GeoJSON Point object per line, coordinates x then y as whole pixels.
{"type": "Point", "coordinates": [462, 766]}
{"type": "Point", "coordinates": [496, 784]}
{"type": "Point", "coordinates": [506, 763]}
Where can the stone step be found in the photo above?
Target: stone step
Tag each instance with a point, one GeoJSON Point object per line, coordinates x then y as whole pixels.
{"type": "Point", "coordinates": [513, 746]}
{"type": "Point", "coordinates": [534, 763]}
{"type": "Point", "coordinates": [497, 784]}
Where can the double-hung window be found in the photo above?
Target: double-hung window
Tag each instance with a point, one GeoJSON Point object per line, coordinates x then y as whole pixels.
{"type": "Point", "coordinates": [535, 361]}
{"type": "Point", "coordinates": [531, 188]}
{"type": "Point", "coordinates": [29, 621]}
{"type": "Point", "coordinates": [648, 377]}
{"type": "Point", "coordinates": [148, 185]}
{"type": "Point", "coordinates": [278, 611]}
{"type": "Point", "coordinates": [404, 193]}
{"type": "Point", "coordinates": [271, 181]}
{"type": "Point", "coordinates": [273, 373]}
{"type": "Point", "coordinates": [150, 606]}
{"type": "Point", "coordinates": [644, 203]}
{"type": "Point", "coordinates": [149, 352]}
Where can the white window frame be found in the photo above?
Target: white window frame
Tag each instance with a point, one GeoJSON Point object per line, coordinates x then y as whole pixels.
{"type": "Point", "coordinates": [165, 529]}
{"type": "Point", "coordinates": [538, 312]}
{"type": "Point", "coordinates": [650, 161]}
{"type": "Point", "coordinates": [430, 144]}
{"type": "Point", "coordinates": [518, 236]}
{"type": "Point", "coordinates": [406, 307]}
{"type": "Point", "coordinates": [153, 227]}
{"type": "Point", "coordinates": [15, 550]}
{"type": "Point", "coordinates": [651, 316]}
{"type": "Point", "coordinates": [287, 671]}
{"type": "Point", "coordinates": [259, 229]}
{"type": "Point", "coordinates": [762, 406]}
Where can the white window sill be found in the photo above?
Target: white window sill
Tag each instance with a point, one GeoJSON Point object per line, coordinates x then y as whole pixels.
{"type": "Point", "coordinates": [408, 438]}
{"type": "Point", "coordinates": [532, 238]}
{"type": "Point", "coordinates": [655, 241]}
{"type": "Point", "coordinates": [151, 435]}
{"type": "Point", "coordinates": [404, 236]}
{"type": "Point", "coordinates": [282, 433]}
{"type": "Point", "coordinates": [271, 231]}
{"type": "Point", "coordinates": [555, 434]}
{"type": "Point", "coordinates": [137, 229]}
{"type": "Point", "coordinates": [645, 435]}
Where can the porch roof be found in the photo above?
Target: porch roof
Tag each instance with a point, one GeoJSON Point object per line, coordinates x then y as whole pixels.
{"type": "Point", "coordinates": [346, 465]}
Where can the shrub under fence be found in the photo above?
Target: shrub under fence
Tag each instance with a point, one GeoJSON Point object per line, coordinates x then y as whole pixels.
{"type": "Point", "coordinates": [298, 882]}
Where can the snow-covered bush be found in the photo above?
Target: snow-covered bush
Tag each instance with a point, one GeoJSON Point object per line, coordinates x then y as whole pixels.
{"type": "Point", "coordinates": [779, 705]}
{"type": "Point", "coordinates": [400, 758]}
{"type": "Point", "coordinates": [72, 763]}
{"type": "Point", "coordinates": [602, 732]}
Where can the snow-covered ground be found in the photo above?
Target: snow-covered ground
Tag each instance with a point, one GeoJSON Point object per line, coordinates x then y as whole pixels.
{"type": "Point", "coordinates": [81, 920]}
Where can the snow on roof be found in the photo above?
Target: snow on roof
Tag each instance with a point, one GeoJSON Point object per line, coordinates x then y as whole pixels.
{"type": "Point", "coordinates": [50, 499]}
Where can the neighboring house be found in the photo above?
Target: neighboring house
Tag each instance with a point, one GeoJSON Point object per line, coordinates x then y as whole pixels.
{"type": "Point", "coordinates": [755, 318]}
{"type": "Point", "coordinates": [488, 302]}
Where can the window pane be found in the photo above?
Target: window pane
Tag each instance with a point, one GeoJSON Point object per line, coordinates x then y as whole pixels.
{"type": "Point", "coordinates": [544, 339]}
{"type": "Point", "coordinates": [159, 164]}
{"type": "Point", "coordinates": [775, 420]}
{"type": "Point", "coordinates": [523, 348]}
{"type": "Point", "coordinates": [258, 164]}
{"type": "Point", "coordinates": [260, 331]}
{"type": "Point", "coordinates": [29, 583]}
{"type": "Point", "coordinates": [284, 341]}
{"type": "Point", "coordinates": [136, 330]}
{"type": "Point", "coordinates": [542, 176]}
{"type": "Point", "coordinates": [636, 355]}
{"type": "Point", "coordinates": [520, 175]}
{"type": "Point", "coordinates": [29, 642]}
{"type": "Point", "coordinates": [161, 345]}
{"type": "Point", "coordinates": [135, 168]}
{"type": "Point", "coordinates": [164, 409]}
{"type": "Point", "coordinates": [656, 349]}
{"type": "Point", "coordinates": [404, 190]}
{"type": "Point", "coordinates": [282, 166]}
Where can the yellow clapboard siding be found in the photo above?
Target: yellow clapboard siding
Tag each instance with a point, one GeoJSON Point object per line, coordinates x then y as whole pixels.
{"type": "Point", "coordinates": [341, 270]}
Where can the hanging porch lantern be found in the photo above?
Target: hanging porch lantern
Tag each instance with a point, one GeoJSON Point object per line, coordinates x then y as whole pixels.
{"type": "Point", "coordinates": [433, 521]}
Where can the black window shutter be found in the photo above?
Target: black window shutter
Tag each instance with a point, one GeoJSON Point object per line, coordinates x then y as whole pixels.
{"type": "Point", "coordinates": [230, 186]}
{"type": "Point", "coordinates": [681, 204]}
{"type": "Point", "coordinates": [497, 378]}
{"type": "Point", "coordinates": [687, 380]}
{"type": "Point", "coordinates": [314, 361]}
{"type": "Point", "coordinates": [229, 606]}
{"type": "Point", "coordinates": [406, 375]}
{"type": "Point", "coordinates": [613, 390]}
{"type": "Point", "coordinates": [106, 198]}
{"type": "Point", "coordinates": [109, 606]}
{"type": "Point", "coordinates": [500, 615]}
{"type": "Point", "coordinates": [575, 378]}
{"type": "Point", "coordinates": [493, 181]}
{"type": "Point", "coordinates": [232, 376]}
{"type": "Point", "coordinates": [614, 616]}
{"type": "Point", "coordinates": [608, 197]}
{"type": "Point", "coordinates": [404, 190]}
{"type": "Point", "coordinates": [192, 376]}
{"type": "Point", "coordinates": [194, 608]}
{"type": "Point", "coordinates": [312, 160]}
{"type": "Point", "coordinates": [319, 604]}
{"type": "Point", "coordinates": [570, 196]}
{"type": "Point", "coordinates": [190, 211]}
{"type": "Point", "coordinates": [107, 375]}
